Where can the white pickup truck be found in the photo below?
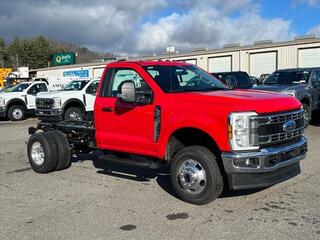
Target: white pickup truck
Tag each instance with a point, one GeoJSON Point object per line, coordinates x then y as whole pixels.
{"type": "Point", "coordinates": [70, 103]}
{"type": "Point", "coordinates": [20, 100]}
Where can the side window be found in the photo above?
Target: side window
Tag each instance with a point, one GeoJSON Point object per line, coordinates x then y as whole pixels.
{"type": "Point", "coordinates": [42, 87]}
{"type": "Point", "coordinates": [120, 75]}
{"type": "Point", "coordinates": [230, 80]}
{"type": "Point", "coordinates": [315, 79]}
{"type": "Point", "coordinates": [92, 88]}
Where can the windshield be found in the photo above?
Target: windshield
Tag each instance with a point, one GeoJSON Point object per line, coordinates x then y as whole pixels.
{"type": "Point", "coordinates": [20, 87]}
{"type": "Point", "coordinates": [75, 85]}
{"type": "Point", "coordinates": [6, 89]}
{"type": "Point", "coordinates": [292, 77]}
{"type": "Point", "coordinates": [183, 78]}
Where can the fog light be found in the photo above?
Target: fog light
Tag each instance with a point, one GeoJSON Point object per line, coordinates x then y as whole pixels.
{"type": "Point", "coordinates": [246, 163]}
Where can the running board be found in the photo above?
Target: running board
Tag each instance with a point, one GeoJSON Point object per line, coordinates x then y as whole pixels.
{"type": "Point", "coordinates": [131, 161]}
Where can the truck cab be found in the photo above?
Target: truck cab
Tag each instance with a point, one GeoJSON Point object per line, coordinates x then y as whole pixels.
{"type": "Point", "coordinates": [175, 113]}
{"type": "Point", "coordinates": [20, 100]}
{"type": "Point", "coordinates": [71, 103]}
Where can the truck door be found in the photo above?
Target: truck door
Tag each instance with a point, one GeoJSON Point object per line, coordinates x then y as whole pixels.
{"type": "Point", "coordinates": [32, 93]}
{"type": "Point", "coordinates": [120, 126]}
{"type": "Point", "coordinates": [315, 90]}
{"type": "Point", "coordinates": [90, 95]}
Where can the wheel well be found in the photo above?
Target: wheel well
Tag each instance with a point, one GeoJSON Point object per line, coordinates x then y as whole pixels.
{"type": "Point", "coordinates": [189, 137]}
{"type": "Point", "coordinates": [306, 101]}
{"type": "Point", "coordinates": [15, 102]}
{"type": "Point", "coordinates": [73, 104]}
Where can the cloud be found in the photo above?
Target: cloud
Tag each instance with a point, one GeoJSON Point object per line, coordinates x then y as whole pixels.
{"type": "Point", "coordinates": [208, 26]}
{"type": "Point", "coordinates": [310, 3]}
{"type": "Point", "coordinates": [315, 30]}
{"type": "Point", "coordinates": [141, 26]}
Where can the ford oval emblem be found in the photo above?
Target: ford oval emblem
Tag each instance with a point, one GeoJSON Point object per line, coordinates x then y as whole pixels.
{"type": "Point", "coordinates": [289, 126]}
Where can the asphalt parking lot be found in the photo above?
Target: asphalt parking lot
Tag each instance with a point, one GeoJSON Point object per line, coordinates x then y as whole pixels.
{"type": "Point", "coordinates": [88, 202]}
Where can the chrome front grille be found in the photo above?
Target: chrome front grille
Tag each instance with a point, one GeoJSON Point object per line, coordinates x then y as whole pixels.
{"type": "Point", "coordinates": [44, 103]}
{"type": "Point", "coordinates": [269, 129]}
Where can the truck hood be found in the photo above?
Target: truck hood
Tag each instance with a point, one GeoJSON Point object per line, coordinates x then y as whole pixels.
{"type": "Point", "coordinates": [12, 94]}
{"type": "Point", "coordinates": [280, 88]}
{"type": "Point", "coordinates": [53, 94]}
{"type": "Point", "coordinates": [244, 100]}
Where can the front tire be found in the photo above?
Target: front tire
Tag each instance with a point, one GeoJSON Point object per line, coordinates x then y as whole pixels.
{"type": "Point", "coordinates": [42, 152]}
{"type": "Point", "coordinates": [307, 114]}
{"type": "Point", "coordinates": [16, 113]}
{"type": "Point", "coordinates": [73, 113]}
{"type": "Point", "coordinates": [195, 175]}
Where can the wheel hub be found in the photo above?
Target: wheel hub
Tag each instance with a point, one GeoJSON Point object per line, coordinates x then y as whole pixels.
{"type": "Point", "coordinates": [17, 113]}
{"type": "Point", "coordinates": [37, 153]}
{"type": "Point", "coordinates": [192, 176]}
{"type": "Point", "coordinates": [75, 116]}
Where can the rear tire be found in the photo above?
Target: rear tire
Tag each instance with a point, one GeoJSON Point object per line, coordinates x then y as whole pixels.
{"type": "Point", "coordinates": [307, 114]}
{"type": "Point", "coordinates": [42, 152]}
{"type": "Point", "coordinates": [16, 113]}
{"type": "Point", "coordinates": [73, 113]}
{"type": "Point", "coordinates": [63, 148]}
{"type": "Point", "coordinates": [195, 175]}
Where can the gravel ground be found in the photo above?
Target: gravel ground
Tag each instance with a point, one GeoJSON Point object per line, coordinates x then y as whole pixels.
{"type": "Point", "coordinates": [87, 202]}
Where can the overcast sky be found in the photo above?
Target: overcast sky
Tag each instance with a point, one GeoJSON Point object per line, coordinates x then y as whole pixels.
{"type": "Point", "coordinates": [148, 26]}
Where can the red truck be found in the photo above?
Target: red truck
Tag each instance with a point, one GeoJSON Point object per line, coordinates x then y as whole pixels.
{"type": "Point", "coordinates": [176, 113]}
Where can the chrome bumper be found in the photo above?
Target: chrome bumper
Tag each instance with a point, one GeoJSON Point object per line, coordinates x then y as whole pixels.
{"type": "Point", "coordinates": [273, 165]}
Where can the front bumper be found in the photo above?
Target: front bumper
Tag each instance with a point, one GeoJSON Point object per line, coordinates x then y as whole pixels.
{"type": "Point", "coordinates": [3, 112]}
{"type": "Point", "coordinates": [276, 164]}
{"type": "Point", "coordinates": [49, 114]}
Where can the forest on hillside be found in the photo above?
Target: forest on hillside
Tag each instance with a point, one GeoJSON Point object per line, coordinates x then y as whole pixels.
{"type": "Point", "coordinates": [36, 52]}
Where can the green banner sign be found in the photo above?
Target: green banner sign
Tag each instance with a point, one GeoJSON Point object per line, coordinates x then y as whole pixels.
{"type": "Point", "coordinates": [63, 58]}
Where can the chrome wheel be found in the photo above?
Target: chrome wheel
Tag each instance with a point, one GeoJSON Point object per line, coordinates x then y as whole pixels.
{"type": "Point", "coordinates": [37, 153]}
{"type": "Point", "coordinates": [17, 113]}
{"type": "Point", "coordinates": [75, 116]}
{"type": "Point", "coordinates": [192, 176]}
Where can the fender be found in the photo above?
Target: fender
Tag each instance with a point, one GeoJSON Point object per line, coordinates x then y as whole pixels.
{"type": "Point", "coordinates": [73, 100]}
{"type": "Point", "coordinates": [15, 100]}
{"type": "Point", "coordinates": [212, 128]}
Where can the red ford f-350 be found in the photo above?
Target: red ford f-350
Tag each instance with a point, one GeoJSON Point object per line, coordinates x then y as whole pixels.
{"type": "Point", "coordinates": [211, 136]}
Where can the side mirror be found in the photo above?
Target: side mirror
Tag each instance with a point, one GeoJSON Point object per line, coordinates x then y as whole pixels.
{"type": "Point", "coordinates": [127, 92]}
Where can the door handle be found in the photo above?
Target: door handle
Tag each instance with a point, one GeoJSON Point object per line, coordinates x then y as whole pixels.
{"type": "Point", "coordinates": [107, 109]}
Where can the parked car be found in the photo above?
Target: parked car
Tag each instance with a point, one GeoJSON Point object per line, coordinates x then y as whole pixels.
{"type": "Point", "coordinates": [72, 102]}
{"type": "Point", "coordinates": [301, 83]}
{"type": "Point", "coordinates": [177, 114]}
{"type": "Point", "coordinates": [239, 79]}
{"type": "Point", "coordinates": [20, 100]}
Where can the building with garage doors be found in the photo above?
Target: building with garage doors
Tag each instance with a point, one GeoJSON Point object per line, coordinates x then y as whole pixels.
{"type": "Point", "coordinates": [260, 58]}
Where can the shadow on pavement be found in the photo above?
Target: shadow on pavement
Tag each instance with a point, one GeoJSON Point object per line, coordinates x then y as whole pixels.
{"type": "Point", "coordinates": [315, 119]}
{"type": "Point", "coordinates": [161, 175]}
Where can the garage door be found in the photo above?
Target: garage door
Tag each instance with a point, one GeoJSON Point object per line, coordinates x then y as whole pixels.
{"type": "Point", "coordinates": [219, 64]}
{"type": "Point", "coordinates": [191, 61]}
{"type": "Point", "coordinates": [261, 63]}
{"type": "Point", "coordinates": [309, 57]}
{"type": "Point", "coordinates": [97, 72]}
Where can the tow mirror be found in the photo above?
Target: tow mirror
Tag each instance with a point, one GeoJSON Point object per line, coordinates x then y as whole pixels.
{"type": "Point", "coordinates": [127, 92]}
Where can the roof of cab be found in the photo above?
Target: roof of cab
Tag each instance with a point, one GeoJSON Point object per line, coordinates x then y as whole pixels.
{"type": "Point", "coordinates": [151, 63]}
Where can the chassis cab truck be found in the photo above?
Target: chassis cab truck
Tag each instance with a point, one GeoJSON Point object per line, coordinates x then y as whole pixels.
{"type": "Point", "coordinates": [211, 136]}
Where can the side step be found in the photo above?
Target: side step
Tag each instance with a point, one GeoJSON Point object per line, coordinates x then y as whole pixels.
{"type": "Point", "coordinates": [131, 161]}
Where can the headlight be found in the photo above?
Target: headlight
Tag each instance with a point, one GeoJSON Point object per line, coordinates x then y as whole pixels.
{"type": "Point", "coordinates": [2, 102]}
{"type": "Point", "coordinates": [239, 131]}
{"type": "Point", "coordinates": [291, 93]}
{"type": "Point", "coordinates": [56, 102]}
